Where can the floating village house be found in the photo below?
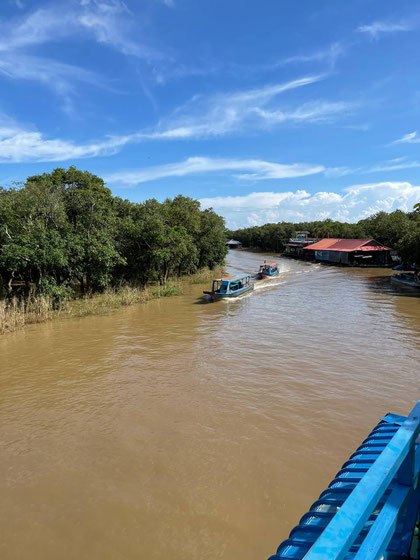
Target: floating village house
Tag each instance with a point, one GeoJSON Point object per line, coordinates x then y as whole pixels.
{"type": "Point", "coordinates": [297, 243]}
{"type": "Point", "coordinates": [352, 252]}
{"type": "Point", "coordinates": [232, 244]}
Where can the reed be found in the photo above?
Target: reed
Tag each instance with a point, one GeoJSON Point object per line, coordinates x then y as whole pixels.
{"type": "Point", "coordinates": [203, 276]}
{"type": "Point", "coordinates": [16, 313]}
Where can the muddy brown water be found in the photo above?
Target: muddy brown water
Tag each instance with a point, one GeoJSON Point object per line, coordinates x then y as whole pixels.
{"type": "Point", "coordinates": [184, 430]}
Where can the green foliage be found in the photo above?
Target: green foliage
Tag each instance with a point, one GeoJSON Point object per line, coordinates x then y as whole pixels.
{"type": "Point", "coordinates": [387, 228]}
{"type": "Point", "coordinates": [65, 227]}
{"type": "Point", "coordinates": [408, 246]}
{"type": "Point", "coordinates": [397, 230]}
{"type": "Point", "coordinates": [57, 293]}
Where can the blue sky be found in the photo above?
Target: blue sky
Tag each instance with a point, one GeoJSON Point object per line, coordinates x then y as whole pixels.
{"type": "Point", "coordinates": [266, 111]}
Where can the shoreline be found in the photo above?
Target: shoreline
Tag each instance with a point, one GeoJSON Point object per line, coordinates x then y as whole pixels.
{"type": "Point", "coordinates": [17, 314]}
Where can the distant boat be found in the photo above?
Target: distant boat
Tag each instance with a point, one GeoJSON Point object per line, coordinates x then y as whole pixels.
{"type": "Point", "coordinates": [268, 269]}
{"type": "Point", "coordinates": [230, 287]}
{"type": "Point", "coordinates": [409, 280]}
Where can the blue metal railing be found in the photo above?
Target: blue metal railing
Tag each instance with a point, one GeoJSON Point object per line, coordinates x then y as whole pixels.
{"type": "Point", "coordinates": [369, 510]}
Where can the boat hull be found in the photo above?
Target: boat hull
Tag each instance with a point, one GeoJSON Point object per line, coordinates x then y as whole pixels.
{"type": "Point", "coordinates": [269, 275]}
{"type": "Point", "coordinates": [400, 280]}
{"type": "Point", "coordinates": [235, 294]}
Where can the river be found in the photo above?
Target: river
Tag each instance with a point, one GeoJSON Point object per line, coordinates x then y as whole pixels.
{"type": "Point", "coordinates": [185, 430]}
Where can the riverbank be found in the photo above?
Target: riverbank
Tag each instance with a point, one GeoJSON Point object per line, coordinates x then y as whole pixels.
{"type": "Point", "coordinates": [17, 314]}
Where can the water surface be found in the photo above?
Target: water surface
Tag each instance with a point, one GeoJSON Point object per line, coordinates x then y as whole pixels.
{"type": "Point", "coordinates": [184, 430]}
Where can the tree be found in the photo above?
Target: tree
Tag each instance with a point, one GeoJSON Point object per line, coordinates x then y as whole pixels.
{"type": "Point", "coordinates": [408, 246]}
{"type": "Point", "coordinates": [211, 241]}
{"type": "Point", "coordinates": [92, 225]}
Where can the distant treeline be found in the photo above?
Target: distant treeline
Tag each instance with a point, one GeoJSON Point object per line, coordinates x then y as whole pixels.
{"type": "Point", "coordinates": [64, 229]}
{"type": "Point", "coordinates": [398, 230]}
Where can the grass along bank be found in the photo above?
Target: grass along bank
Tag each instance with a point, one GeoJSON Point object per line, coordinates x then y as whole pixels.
{"type": "Point", "coordinates": [15, 314]}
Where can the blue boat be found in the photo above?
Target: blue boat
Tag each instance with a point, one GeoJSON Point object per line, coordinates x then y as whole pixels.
{"type": "Point", "coordinates": [410, 280]}
{"type": "Point", "coordinates": [268, 269]}
{"type": "Point", "coordinates": [230, 287]}
{"type": "Point", "coordinates": [371, 508]}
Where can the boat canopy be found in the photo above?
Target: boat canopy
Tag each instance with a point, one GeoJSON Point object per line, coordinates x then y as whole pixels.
{"type": "Point", "coordinates": [233, 278]}
{"type": "Point", "coordinates": [224, 278]}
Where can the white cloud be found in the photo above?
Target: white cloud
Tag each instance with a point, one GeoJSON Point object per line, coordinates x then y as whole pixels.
{"type": "Point", "coordinates": [340, 171]}
{"type": "Point", "coordinates": [314, 111]}
{"type": "Point", "coordinates": [105, 21]}
{"type": "Point", "coordinates": [57, 76]}
{"type": "Point", "coordinates": [19, 4]}
{"type": "Point", "coordinates": [396, 164]}
{"type": "Point", "coordinates": [410, 138]}
{"type": "Point", "coordinates": [38, 27]}
{"type": "Point", "coordinates": [352, 204]}
{"type": "Point", "coordinates": [257, 170]}
{"type": "Point", "coordinates": [227, 113]}
{"type": "Point", "coordinates": [330, 55]}
{"type": "Point", "coordinates": [20, 145]}
{"type": "Point", "coordinates": [108, 22]}
{"type": "Point", "coordinates": [393, 166]}
{"type": "Point", "coordinates": [378, 28]}
{"type": "Point", "coordinates": [16, 149]}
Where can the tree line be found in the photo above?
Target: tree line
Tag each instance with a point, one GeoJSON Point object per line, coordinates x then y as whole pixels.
{"type": "Point", "coordinates": [65, 230]}
{"type": "Point", "coordinates": [398, 230]}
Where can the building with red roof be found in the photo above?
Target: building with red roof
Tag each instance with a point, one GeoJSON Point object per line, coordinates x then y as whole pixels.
{"type": "Point", "coordinates": [351, 252]}
{"type": "Point", "coordinates": [297, 243]}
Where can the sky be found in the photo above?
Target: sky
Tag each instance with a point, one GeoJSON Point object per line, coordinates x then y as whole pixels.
{"type": "Point", "coordinates": [263, 110]}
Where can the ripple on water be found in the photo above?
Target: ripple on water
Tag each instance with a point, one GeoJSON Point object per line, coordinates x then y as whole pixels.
{"type": "Point", "coordinates": [182, 430]}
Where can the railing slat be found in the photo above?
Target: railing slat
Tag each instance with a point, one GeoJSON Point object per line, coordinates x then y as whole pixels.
{"type": "Point", "coordinates": [345, 526]}
{"type": "Point", "coordinates": [384, 526]}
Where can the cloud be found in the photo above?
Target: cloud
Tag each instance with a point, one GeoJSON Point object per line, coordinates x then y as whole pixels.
{"type": "Point", "coordinates": [352, 204]}
{"type": "Point", "coordinates": [330, 55]}
{"type": "Point", "coordinates": [396, 164]}
{"type": "Point", "coordinates": [227, 113]}
{"type": "Point", "coordinates": [315, 111]}
{"type": "Point", "coordinates": [378, 28]}
{"type": "Point", "coordinates": [107, 22]}
{"type": "Point", "coordinates": [19, 4]}
{"type": "Point", "coordinates": [393, 166]}
{"type": "Point", "coordinates": [20, 145]}
{"type": "Point", "coordinates": [256, 170]}
{"type": "Point", "coordinates": [38, 27]}
{"type": "Point", "coordinates": [410, 138]}
{"type": "Point", "coordinates": [57, 76]}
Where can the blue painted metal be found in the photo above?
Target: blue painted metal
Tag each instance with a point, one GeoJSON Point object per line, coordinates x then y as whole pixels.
{"type": "Point", "coordinates": [230, 287]}
{"type": "Point", "coordinates": [268, 269]}
{"type": "Point", "coordinates": [369, 510]}
{"type": "Point", "coordinates": [410, 280]}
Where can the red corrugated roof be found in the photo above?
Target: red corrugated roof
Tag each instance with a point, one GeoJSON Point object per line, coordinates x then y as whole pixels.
{"type": "Point", "coordinates": [322, 244]}
{"type": "Point", "coordinates": [346, 245]}
{"type": "Point", "coordinates": [374, 248]}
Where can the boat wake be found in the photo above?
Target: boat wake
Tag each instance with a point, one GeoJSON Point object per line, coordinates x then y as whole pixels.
{"type": "Point", "coordinates": [268, 284]}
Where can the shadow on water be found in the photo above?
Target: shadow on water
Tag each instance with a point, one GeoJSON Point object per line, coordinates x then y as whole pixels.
{"type": "Point", "coordinates": [383, 285]}
{"type": "Point", "coordinates": [202, 300]}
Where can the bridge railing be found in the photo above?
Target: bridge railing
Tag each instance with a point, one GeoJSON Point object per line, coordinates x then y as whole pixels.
{"type": "Point", "coordinates": [398, 463]}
